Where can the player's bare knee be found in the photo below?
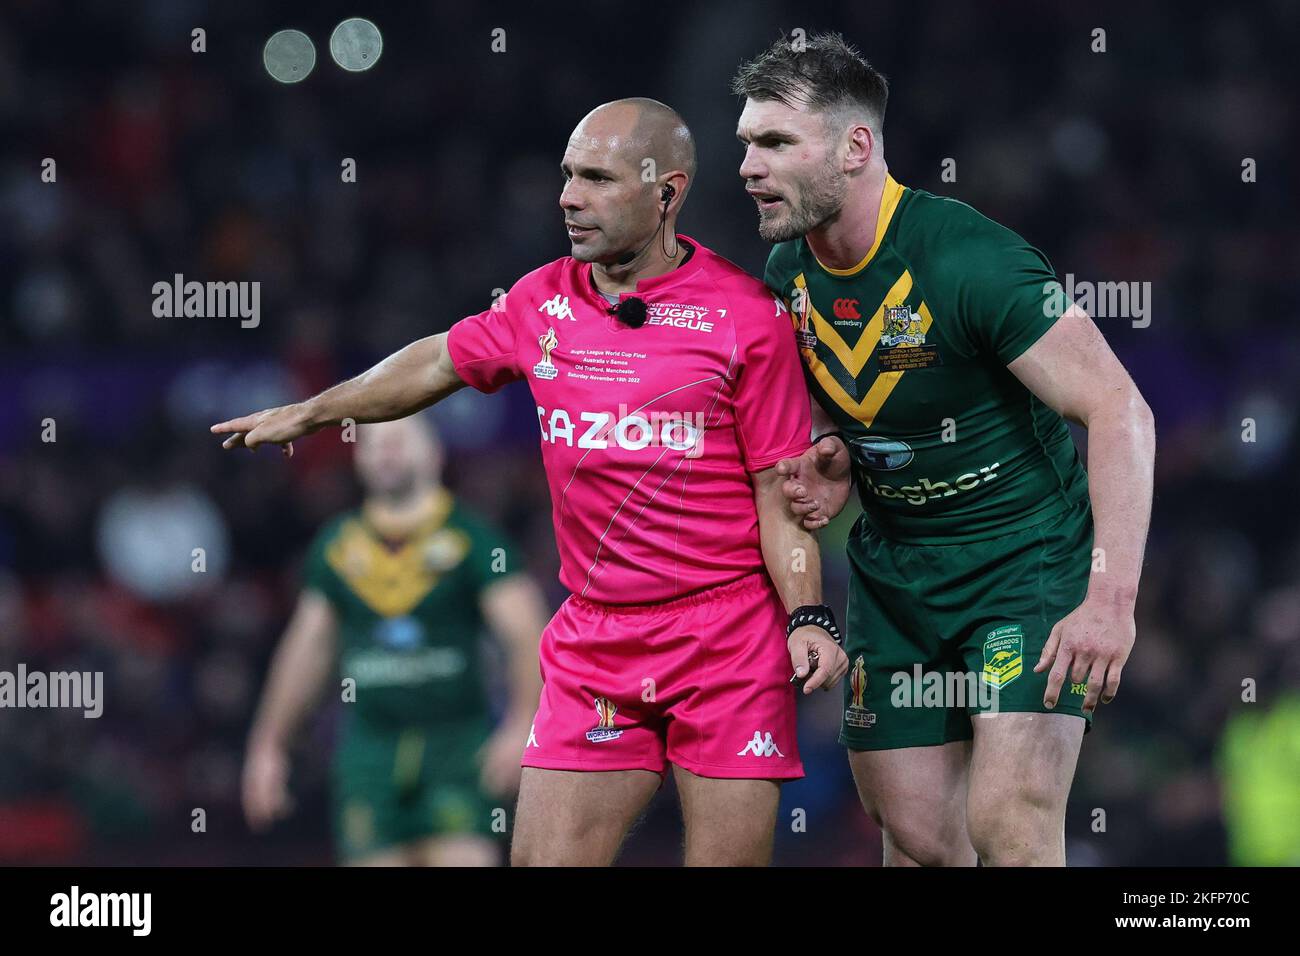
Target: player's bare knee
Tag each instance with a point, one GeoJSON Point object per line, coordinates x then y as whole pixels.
{"type": "Point", "coordinates": [562, 839]}
{"type": "Point", "coordinates": [1020, 829]}
{"type": "Point", "coordinates": [934, 842]}
{"type": "Point", "coordinates": [721, 850]}
{"type": "Point", "coordinates": [928, 833]}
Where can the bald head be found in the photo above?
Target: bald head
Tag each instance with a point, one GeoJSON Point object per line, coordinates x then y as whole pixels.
{"type": "Point", "coordinates": [638, 128]}
{"type": "Point", "coordinates": [617, 164]}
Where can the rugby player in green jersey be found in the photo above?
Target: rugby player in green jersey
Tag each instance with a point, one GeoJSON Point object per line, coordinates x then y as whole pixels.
{"type": "Point", "coordinates": [396, 597]}
{"type": "Point", "coordinates": [944, 363]}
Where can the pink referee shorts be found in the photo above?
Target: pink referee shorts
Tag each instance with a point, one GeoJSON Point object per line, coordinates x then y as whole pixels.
{"type": "Point", "coordinates": [701, 682]}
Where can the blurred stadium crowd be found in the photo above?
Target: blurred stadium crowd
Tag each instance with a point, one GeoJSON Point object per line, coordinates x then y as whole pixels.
{"type": "Point", "coordinates": [1123, 165]}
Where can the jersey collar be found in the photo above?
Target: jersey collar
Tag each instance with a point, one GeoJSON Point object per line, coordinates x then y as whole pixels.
{"type": "Point", "coordinates": [648, 287]}
{"type": "Point", "coordinates": [889, 199]}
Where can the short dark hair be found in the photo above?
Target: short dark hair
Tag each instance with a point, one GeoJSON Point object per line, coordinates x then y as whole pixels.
{"type": "Point", "coordinates": [824, 71]}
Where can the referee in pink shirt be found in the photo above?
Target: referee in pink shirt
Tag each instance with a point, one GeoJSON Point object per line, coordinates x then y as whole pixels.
{"type": "Point", "coordinates": [668, 385]}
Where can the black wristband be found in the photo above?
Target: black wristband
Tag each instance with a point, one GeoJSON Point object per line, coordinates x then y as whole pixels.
{"type": "Point", "coordinates": [817, 615]}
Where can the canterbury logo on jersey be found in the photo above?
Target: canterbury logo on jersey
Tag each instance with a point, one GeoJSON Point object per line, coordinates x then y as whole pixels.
{"type": "Point", "coordinates": [679, 431]}
{"type": "Point", "coordinates": [919, 494]}
{"type": "Point", "coordinates": [846, 309]}
{"type": "Point", "coordinates": [557, 308]}
{"type": "Point", "coordinates": [761, 746]}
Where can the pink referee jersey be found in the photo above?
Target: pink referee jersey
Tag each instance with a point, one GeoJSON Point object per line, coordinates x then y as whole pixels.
{"type": "Point", "coordinates": [648, 435]}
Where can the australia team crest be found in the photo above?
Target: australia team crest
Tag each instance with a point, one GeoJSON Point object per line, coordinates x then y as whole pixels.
{"type": "Point", "coordinates": [902, 340]}
{"type": "Point", "coordinates": [902, 327]}
{"type": "Point", "coordinates": [1004, 658]}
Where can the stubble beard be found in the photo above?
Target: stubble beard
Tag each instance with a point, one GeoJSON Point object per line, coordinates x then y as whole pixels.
{"type": "Point", "coordinates": [819, 201]}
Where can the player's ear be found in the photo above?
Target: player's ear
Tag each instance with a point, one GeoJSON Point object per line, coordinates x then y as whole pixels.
{"type": "Point", "coordinates": [859, 147]}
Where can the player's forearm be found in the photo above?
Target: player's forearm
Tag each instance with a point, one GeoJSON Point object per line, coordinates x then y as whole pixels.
{"type": "Point", "coordinates": [525, 686]}
{"type": "Point", "coordinates": [516, 611]}
{"type": "Point", "coordinates": [292, 690]}
{"type": "Point", "coordinates": [299, 673]}
{"type": "Point", "coordinates": [790, 552]}
{"type": "Point", "coordinates": [525, 676]}
{"type": "Point", "coordinates": [408, 380]}
{"type": "Point", "coordinates": [1121, 461]}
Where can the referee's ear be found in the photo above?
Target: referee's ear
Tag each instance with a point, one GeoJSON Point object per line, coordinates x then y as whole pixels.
{"type": "Point", "coordinates": [672, 192]}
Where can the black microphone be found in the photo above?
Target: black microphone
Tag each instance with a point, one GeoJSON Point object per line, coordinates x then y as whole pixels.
{"type": "Point", "coordinates": [630, 312]}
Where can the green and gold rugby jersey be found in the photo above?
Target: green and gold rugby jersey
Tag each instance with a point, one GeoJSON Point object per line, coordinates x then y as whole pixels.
{"type": "Point", "coordinates": [408, 613]}
{"type": "Point", "coordinates": [907, 352]}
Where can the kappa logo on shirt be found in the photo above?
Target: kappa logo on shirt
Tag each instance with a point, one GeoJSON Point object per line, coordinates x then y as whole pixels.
{"type": "Point", "coordinates": [557, 307]}
{"type": "Point", "coordinates": [761, 746]}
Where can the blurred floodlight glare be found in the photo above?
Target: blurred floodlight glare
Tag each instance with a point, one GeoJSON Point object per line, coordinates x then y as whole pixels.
{"type": "Point", "coordinates": [289, 56]}
{"type": "Point", "coordinates": [356, 44]}
{"type": "Point", "coordinates": [148, 539]}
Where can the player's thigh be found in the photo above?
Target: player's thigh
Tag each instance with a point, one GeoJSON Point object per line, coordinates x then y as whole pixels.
{"type": "Point", "coordinates": [577, 818]}
{"type": "Point", "coordinates": [1021, 771]}
{"type": "Point", "coordinates": [461, 849]}
{"type": "Point", "coordinates": [918, 797]}
{"type": "Point", "coordinates": [891, 636]}
{"type": "Point", "coordinates": [728, 822]}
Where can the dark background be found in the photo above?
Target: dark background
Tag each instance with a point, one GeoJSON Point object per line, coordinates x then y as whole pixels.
{"type": "Point", "coordinates": [1121, 166]}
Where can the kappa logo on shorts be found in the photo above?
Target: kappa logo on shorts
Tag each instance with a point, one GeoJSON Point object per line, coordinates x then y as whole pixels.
{"type": "Point", "coordinates": [532, 736]}
{"type": "Point", "coordinates": [1004, 657]}
{"type": "Point", "coordinates": [761, 746]}
{"type": "Point", "coordinates": [858, 715]}
{"type": "Point", "coordinates": [604, 729]}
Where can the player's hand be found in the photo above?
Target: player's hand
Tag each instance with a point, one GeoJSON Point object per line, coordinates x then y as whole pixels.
{"type": "Point", "coordinates": [275, 426]}
{"type": "Point", "coordinates": [817, 482]}
{"type": "Point", "coordinates": [1090, 643]}
{"type": "Point", "coordinates": [265, 786]}
{"type": "Point", "coordinates": [499, 758]}
{"type": "Point", "coordinates": [832, 662]}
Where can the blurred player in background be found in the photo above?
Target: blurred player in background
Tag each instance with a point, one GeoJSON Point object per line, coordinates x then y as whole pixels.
{"type": "Point", "coordinates": [944, 363]}
{"type": "Point", "coordinates": [395, 599]}
{"type": "Point", "coordinates": [667, 387]}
